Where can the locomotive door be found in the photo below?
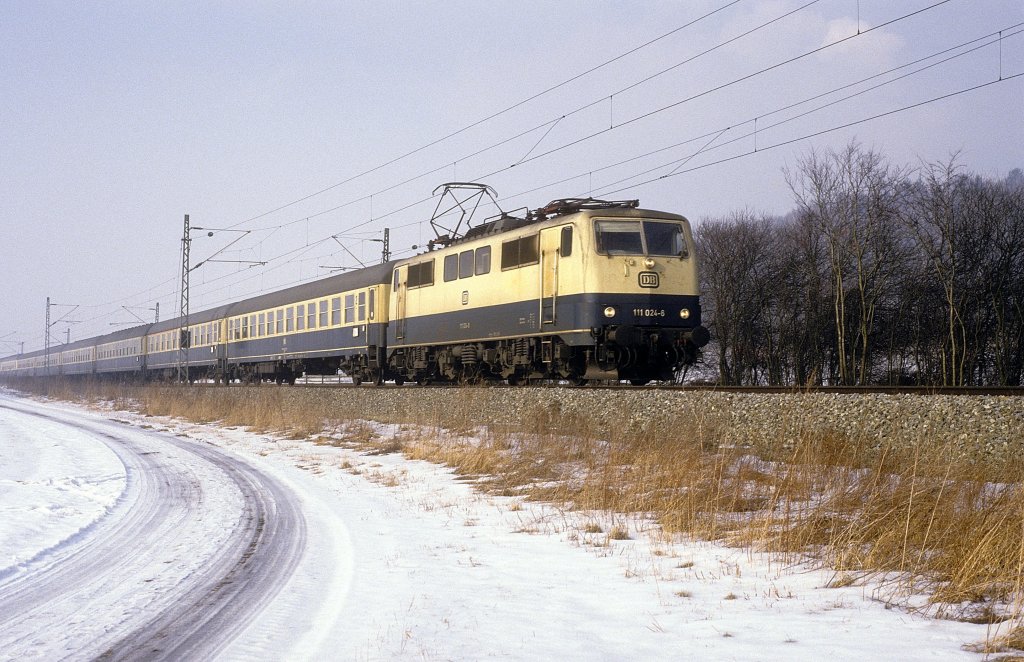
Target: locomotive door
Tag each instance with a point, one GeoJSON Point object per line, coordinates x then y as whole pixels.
{"type": "Point", "coordinates": [400, 292]}
{"type": "Point", "coordinates": [549, 256]}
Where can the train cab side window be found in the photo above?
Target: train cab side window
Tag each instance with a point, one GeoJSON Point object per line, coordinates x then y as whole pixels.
{"type": "Point", "coordinates": [465, 264]}
{"type": "Point", "coordinates": [394, 283]}
{"type": "Point", "coordinates": [372, 303]}
{"type": "Point", "coordinates": [451, 267]}
{"type": "Point", "coordinates": [483, 261]}
{"type": "Point", "coordinates": [565, 250]}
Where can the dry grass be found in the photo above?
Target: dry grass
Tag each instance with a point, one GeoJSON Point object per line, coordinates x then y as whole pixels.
{"type": "Point", "coordinates": [909, 513]}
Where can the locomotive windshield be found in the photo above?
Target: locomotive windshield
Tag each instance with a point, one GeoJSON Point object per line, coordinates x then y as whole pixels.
{"type": "Point", "coordinates": [640, 238]}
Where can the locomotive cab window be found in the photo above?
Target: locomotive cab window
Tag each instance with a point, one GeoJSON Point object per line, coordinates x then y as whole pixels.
{"type": "Point", "coordinates": [664, 239]}
{"type": "Point", "coordinates": [640, 238]}
{"type": "Point", "coordinates": [619, 237]}
{"type": "Point", "coordinates": [565, 249]}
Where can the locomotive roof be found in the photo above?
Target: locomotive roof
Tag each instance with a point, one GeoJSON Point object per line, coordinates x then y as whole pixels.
{"type": "Point", "coordinates": [551, 212]}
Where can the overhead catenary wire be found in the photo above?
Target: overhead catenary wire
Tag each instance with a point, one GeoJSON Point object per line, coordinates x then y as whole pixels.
{"type": "Point", "coordinates": [549, 124]}
{"type": "Point", "coordinates": [295, 253]}
{"type": "Point", "coordinates": [498, 113]}
{"type": "Point", "coordinates": [677, 103]}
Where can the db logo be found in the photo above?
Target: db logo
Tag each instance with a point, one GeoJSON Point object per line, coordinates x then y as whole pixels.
{"type": "Point", "coordinates": [649, 279]}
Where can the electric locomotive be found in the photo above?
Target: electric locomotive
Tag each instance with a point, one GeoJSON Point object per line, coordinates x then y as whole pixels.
{"type": "Point", "coordinates": [581, 289]}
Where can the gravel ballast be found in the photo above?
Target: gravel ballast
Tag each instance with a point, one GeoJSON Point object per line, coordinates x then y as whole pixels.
{"type": "Point", "coordinates": [981, 426]}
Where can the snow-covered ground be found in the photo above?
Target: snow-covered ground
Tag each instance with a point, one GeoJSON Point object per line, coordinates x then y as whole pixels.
{"type": "Point", "coordinates": [403, 560]}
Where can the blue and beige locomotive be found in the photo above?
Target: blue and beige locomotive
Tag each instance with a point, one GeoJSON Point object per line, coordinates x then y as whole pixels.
{"type": "Point", "coordinates": [578, 290]}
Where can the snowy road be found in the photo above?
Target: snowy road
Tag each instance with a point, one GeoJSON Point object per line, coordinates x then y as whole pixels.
{"type": "Point", "coordinates": [195, 544]}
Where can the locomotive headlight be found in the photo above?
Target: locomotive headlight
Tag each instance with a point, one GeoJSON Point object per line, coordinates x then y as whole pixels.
{"type": "Point", "coordinates": [609, 311]}
{"type": "Point", "coordinates": [649, 263]}
{"type": "Point", "coordinates": [684, 313]}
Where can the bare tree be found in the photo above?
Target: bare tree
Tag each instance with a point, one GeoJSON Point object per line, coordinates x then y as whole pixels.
{"type": "Point", "coordinates": [854, 199]}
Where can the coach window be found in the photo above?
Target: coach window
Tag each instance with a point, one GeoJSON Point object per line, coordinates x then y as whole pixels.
{"type": "Point", "coordinates": [350, 312]}
{"type": "Point", "coordinates": [311, 316]}
{"type": "Point", "coordinates": [451, 267]}
{"type": "Point", "coordinates": [323, 313]}
{"type": "Point", "coordinates": [335, 311]}
{"type": "Point", "coordinates": [362, 307]}
{"type": "Point", "coordinates": [300, 317]}
{"type": "Point", "coordinates": [252, 326]}
{"type": "Point", "coordinates": [465, 264]}
{"type": "Point", "coordinates": [565, 250]}
{"type": "Point", "coordinates": [262, 329]}
{"type": "Point", "coordinates": [280, 320]}
{"type": "Point", "coordinates": [483, 261]}
{"type": "Point", "coordinates": [290, 320]}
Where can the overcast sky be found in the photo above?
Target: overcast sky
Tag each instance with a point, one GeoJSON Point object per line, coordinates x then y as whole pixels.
{"type": "Point", "coordinates": [290, 118]}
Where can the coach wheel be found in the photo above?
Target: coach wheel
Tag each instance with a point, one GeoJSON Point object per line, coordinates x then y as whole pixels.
{"type": "Point", "coordinates": [357, 380]}
{"type": "Point", "coordinates": [399, 380]}
{"type": "Point", "coordinates": [578, 381]}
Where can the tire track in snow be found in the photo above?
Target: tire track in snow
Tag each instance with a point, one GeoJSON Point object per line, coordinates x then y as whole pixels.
{"type": "Point", "coordinates": [199, 542]}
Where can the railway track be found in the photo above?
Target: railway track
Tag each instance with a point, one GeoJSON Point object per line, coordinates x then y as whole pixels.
{"type": "Point", "coordinates": [846, 390]}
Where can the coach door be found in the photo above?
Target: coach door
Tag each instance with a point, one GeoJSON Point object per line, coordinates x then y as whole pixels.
{"type": "Point", "coordinates": [550, 254]}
